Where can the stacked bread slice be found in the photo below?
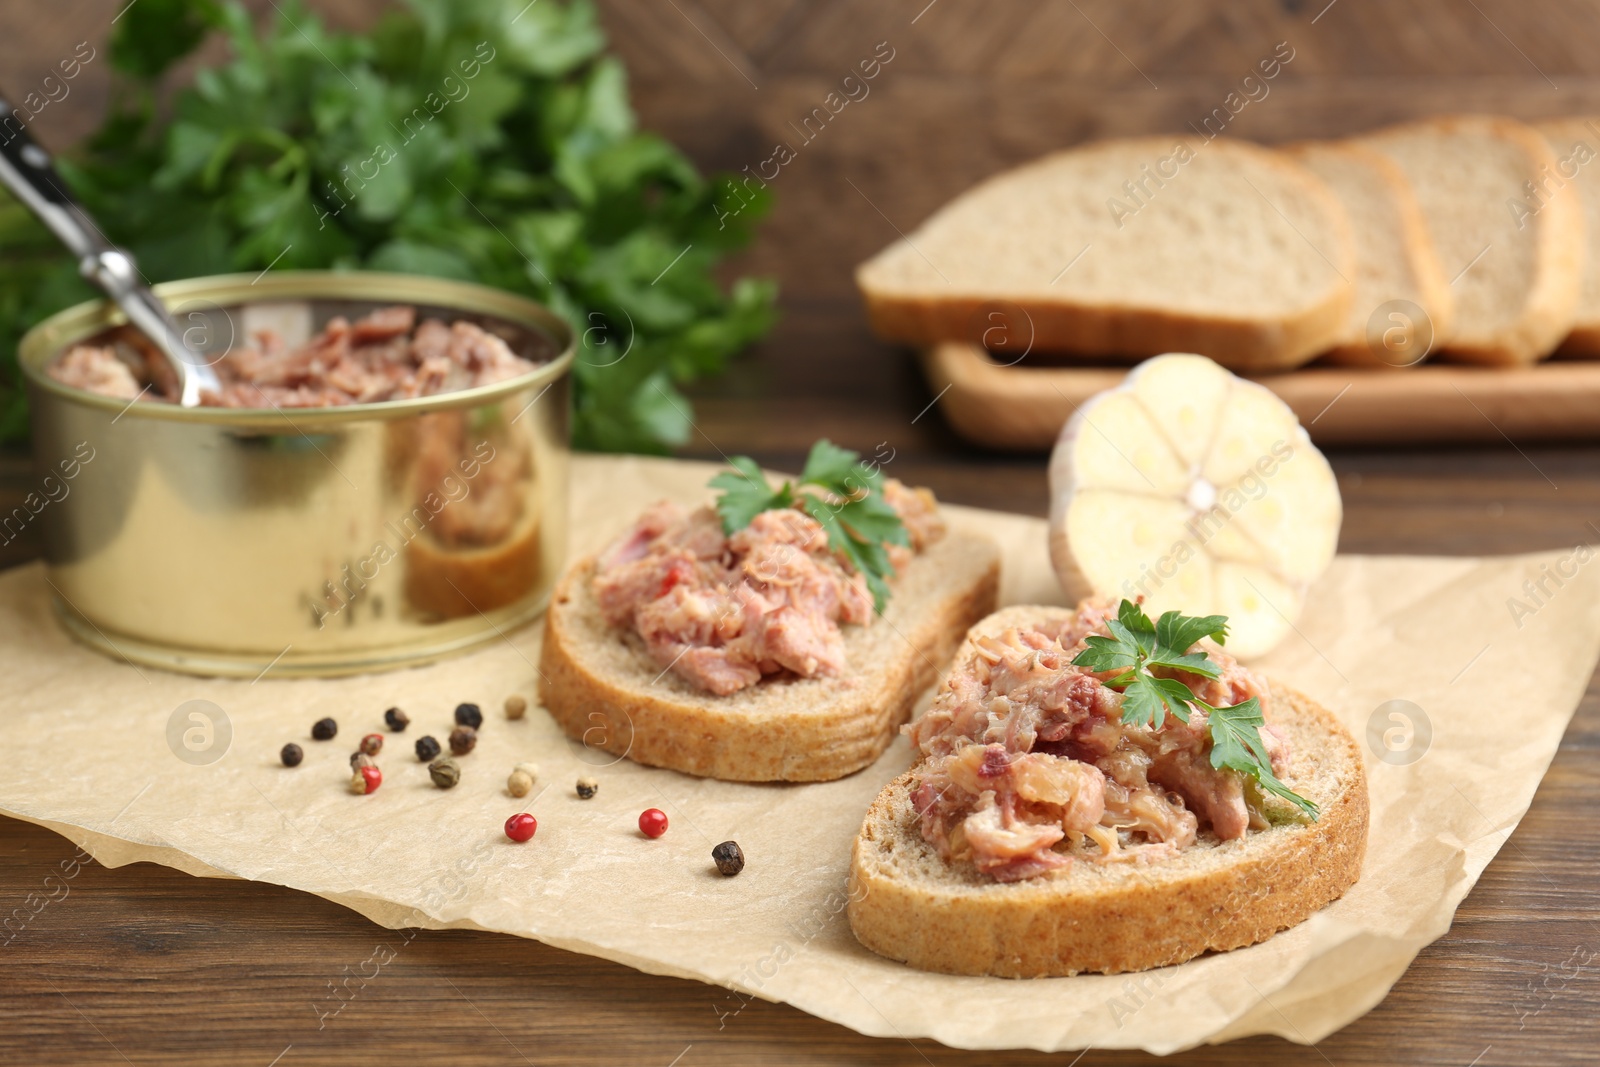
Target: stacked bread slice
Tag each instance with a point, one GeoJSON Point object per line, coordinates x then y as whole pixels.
{"type": "Point", "coordinates": [1403, 306]}
{"type": "Point", "coordinates": [1462, 237]}
{"type": "Point", "coordinates": [1516, 259]}
{"type": "Point", "coordinates": [1576, 144]}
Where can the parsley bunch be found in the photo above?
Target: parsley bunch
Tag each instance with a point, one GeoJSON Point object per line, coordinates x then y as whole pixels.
{"type": "Point", "coordinates": [843, 494]}
{"type": "Point", "coordinates": [485, 140]}
{"type": "Point", "coordinates": [1137, 645]}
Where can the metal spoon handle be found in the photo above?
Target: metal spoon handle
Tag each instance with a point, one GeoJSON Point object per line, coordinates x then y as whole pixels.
{"type": "Point", "coordinates": [27, 170]}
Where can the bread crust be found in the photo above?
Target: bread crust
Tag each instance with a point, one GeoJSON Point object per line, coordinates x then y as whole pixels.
{"type": "Point", "coordinates": [909, 905]}
{"type": "Point", "coordinates": [605, 690]}
{"type": "Point", "coordinates": [1114, 332]}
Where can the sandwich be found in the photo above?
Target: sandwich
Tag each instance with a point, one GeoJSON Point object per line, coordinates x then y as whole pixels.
{"type": "Point", "coordinates": [781, 634]}
{"type": "Point", "coordinates": [1097, 792]}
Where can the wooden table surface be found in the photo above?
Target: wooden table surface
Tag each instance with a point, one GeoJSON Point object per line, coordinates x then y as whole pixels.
{"type": "Point", "coordinates": [146, 965]}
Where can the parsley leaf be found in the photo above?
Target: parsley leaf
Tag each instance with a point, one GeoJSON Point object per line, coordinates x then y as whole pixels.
{"type": "Point", "coordinates": [1177, 633]}
{"type": "Point", "coordinates": [1148, 698]}
{"type": "Point", "coordinates": [1138, 625]}
{"type": "Point", "coordinates": [1107, 654]}
{"type": "Point", "coordinates": [1137, 644]}
{"type": "Point", "coordinates": [848, 504]}
{"type": "Point", "coordinates": [487, 140]}
{"type": "Point", "coordinates": [746, 494]}
{"type": "Point", "coordinates": [828, 464]}
{"type": "Point", "coordinates": [1236, 745]}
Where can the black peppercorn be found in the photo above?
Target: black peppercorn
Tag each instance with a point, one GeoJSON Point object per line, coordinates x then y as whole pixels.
{"type": "Point", "coordinates": [396, 720]}
{"type": "Point", "coordinates": [587, 788]}
{"type": "Point", "coordinates": [427, 748]}
{"type": "Point", "coordinates": [469, 715]}
{"type": "Point", "coordinates": [729, 858]}
{"type": "Point", "coordinates": [445, 772]}
{"type": "Point", "coordinates": [324, 729]}
{"type": "Point", "coordinates": [462, 738]}
{"type": "Point", "coordinates": [291, 755]}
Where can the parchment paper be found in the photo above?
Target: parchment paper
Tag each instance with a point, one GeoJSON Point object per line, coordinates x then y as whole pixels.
{"type": "Point", "coordinates": [88, 755]}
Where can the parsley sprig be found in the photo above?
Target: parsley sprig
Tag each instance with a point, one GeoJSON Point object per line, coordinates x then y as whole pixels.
{"type": "Point", "coordinates": [843, 494]}
{"type": "Point", "coordinates": [1137, 645]}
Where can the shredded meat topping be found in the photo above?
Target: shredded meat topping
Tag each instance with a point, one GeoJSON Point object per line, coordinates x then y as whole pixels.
{"type": "Point", "coordinates": [379, 357]}
{"type": "Point", "coordinates": [723, 612]}
{"type": "Point", "coordinates": [1029, 766]}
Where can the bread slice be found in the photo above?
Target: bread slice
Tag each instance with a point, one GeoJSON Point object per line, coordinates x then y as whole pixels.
{"type": "Point", "coordinates": [909, 904]}
{"type": "Point", "coordinates": [1515, 260]}
{"type": "Point", "coordinates": [1576, 144]}
{"type": "Point", "coordinates": [1126, 249]}
{"type": "Point", "coordinates": [1395, 258]}
{"type": "Point", "coordinates": [604, 689]}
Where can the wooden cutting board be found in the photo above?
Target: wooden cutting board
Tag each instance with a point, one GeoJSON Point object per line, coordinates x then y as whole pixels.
{"type": "Point", "coordinates": [1023, 407]}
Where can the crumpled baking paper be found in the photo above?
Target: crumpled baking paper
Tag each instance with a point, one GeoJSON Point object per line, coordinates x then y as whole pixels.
{"type": "Point", "coordinates": [107, 754]}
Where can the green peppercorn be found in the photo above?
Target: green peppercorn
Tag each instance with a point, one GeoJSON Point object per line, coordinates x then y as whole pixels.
{"type": "Point", "coordinates": [469, 715]}
{"type": "Point", "coordinates": [324, 729]}
{"type": "Point", "coordinates": [396, 720]}
{"type": "Point", "coordinates": [291, 755]}
{"type": "Point", "coordinates": [729, 858]}
{"type": "Point", "coordinates": [427, 748]}
{"type": "Point", "coordinates": [445, 772]}
{"type": "Point", "coordinates": [462, 739]}
{"type": "Point", "coordinates": [516, 706]}
{"type": "Point", "coordinates": [587, 788]}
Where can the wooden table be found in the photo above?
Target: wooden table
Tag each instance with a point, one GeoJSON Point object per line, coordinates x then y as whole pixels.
{"type": "Point", "coordinates": [147, 965]}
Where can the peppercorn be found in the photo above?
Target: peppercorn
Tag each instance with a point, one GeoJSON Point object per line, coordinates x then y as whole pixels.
{"type": "Point", "coordinates": [427, 748]}
{"type": "Point", "coordinates": [519, 784]}
{"type": "Point", "coordinates": [469, 715]}
{"type": "Point", "coordinates": [587, 788]}
{"type": "Point", "coordinates": [365, 780]}
{"type": "Point", "coordinates": [516, 706]}
{"type": "Point", "coordinates": [359, 760]}
{"type": "Point", "coordinates": [462, 738]}
{"type": "Point", "coordinates": [372, 744]}
{"type": "Point", "coordinates": [530, 769]}
{"type": "Point", "coordinates": [324, 729]}
{"type": "Point", "coordinates": [728, 857]}
{"type": "Point", "coordinates": [291, 755]}
{"type": "Point", "coordinates": [445, 772]}
{"type": "Point", "coordinates": [521, 826]}
{"type": "Point", "coordinates": [396, 720]}
{"type": "Point", "coordinates": [652, 822]}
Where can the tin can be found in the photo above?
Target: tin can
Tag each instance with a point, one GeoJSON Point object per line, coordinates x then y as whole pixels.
{"type": "Point", "coordinates": [303, 541]}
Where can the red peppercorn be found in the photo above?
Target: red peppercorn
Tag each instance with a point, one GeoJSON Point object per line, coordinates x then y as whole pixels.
{"type": "Point", "coordinates": [372, 744]}
{"type": "Point", "coordinates": [521, 826]}
{"type": "Point", "coordinates": [368, 777]}
{"type": "Point", "coordinates": [652, 822]}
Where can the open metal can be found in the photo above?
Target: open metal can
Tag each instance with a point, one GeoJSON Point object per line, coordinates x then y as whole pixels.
{"type": "Point", "coordinates": [328, 540]}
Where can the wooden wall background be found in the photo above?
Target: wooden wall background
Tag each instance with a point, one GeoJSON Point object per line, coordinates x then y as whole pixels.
{"type": "Point", "coordinates": [974, 86]}
{"type": "Point", "coordinates": [977, 85]}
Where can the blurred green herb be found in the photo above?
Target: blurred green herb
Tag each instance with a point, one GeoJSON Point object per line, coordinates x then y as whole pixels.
{"type": "Point", "coordinates": [489, 140]}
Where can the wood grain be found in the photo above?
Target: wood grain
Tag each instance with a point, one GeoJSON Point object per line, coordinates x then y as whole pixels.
{"type": "Point", "coordinates": [146, 965]}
